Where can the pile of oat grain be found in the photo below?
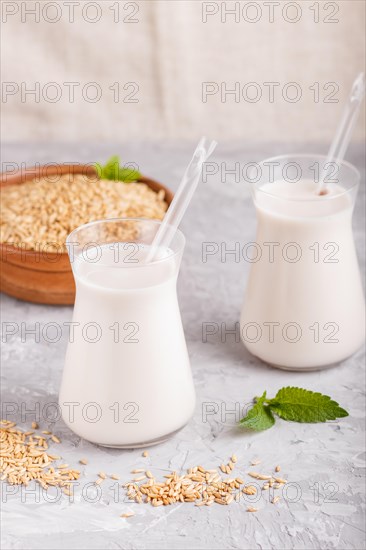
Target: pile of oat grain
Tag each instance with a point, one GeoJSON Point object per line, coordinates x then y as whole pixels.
{"type": "Point", "coordinates": [202, 486]}
{"type": "Point", "coordinates": [24, 457]}
{"type": "Point", "coordinates": [43, 212]}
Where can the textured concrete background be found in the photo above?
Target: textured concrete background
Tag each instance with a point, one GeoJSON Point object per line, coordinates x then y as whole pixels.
{"type": "Point", "coordinates": [325, 463]}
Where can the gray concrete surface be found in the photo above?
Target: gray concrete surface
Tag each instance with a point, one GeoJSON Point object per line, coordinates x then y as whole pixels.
{"type": "Point", "coordinates": [323, 507]}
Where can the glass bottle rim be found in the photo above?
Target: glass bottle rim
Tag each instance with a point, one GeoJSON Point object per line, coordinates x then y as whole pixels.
{"type": "Point", "coordinates": [294, 156]}
{"type": "Point", "coordinates": [177, 232]}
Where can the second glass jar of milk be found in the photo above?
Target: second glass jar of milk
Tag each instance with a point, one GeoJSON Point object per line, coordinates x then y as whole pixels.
{"type": "Point", "coordinates": [304, 306]}
{"type": "Point", "coordinates": [127, 379]}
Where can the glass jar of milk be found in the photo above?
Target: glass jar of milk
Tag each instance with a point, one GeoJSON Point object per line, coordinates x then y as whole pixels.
{"type": "Point", "coordinates": [127, 380]}
{"type": "Point", "coordinates": [304, 306]}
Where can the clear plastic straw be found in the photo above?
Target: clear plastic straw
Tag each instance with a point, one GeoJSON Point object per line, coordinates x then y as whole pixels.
{"type": "Point", "coordinates": [343, 135]}
{"type": "Point", "coordinates": [182, 198]}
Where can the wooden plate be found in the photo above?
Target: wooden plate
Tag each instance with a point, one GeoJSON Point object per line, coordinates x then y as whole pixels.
{"type": "Point", "coordinates": [45, 278]}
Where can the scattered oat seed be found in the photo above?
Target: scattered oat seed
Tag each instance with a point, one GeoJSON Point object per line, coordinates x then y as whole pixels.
{"type": "Point", "coordinates": [24, 458]}
{"type": "Point", "coordinates": [249, 490]}
{"type": "Point", "coordinates": [280, 480]}
{"type": "Point", "coordinates": [262, 477]}
{"type": "Point", "coordinates": [127, 515]}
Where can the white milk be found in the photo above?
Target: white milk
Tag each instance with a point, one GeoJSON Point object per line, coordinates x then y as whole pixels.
{"type": "Point", "coordinates": [133, 385]}
{"type": "Point", "coordinates": [304, 304]}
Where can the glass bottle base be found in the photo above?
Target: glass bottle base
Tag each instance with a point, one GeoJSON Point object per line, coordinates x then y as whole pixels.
{"type": "Point", "coordinates": [148, 443]}
{"type": "Point", "coordinates": [301, 369]}
{"type": "Point", "coordinates": [310, 368]}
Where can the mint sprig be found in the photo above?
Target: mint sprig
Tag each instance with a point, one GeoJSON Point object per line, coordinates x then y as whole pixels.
{"type": "Point", "coordinates": [292, 404]}
{"type": "Point", "coordinates": [259, 417]}
{"type": "Point", "coordinates": [112, 170]}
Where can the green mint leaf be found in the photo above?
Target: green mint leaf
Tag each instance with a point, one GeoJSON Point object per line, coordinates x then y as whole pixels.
{"type": "Point", "coordinates": [110, 169]}
{"type": "Point", "coordinates": [128, 175]}
{"type": "Point", "coordinates": [299, 405]}
{"type": "Point", "coordinates": [113, 170]}
{"type": "Point", "coordinates": [259, 416]}
{"type": "Point", "coordinates": [99, 170]}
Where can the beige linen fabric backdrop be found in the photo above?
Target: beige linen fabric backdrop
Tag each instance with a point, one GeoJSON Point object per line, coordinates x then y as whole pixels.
{"type": "Point", "coordinates": [162, 53]}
